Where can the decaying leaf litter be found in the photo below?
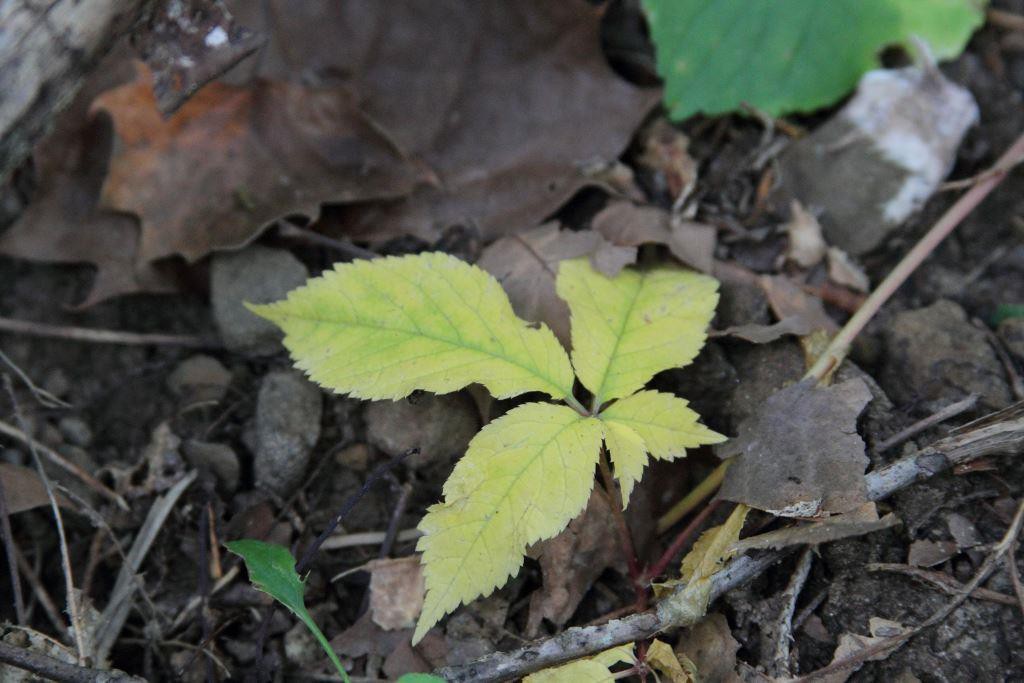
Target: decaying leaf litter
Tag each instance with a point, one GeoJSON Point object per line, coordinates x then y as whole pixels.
{"type": "Point", "coordinates": [144, 417]}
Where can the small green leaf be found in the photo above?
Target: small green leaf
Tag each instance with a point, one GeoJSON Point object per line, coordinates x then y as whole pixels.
{"type": "Point", "coordinates": [1007, 311]}
{"type": "Point", "coordinates": [420, 678]}
{"type": "Point", "coordinates": [627, 328]}
{"type": "Point", "coordinates": [523, 478]}
{"type": "Point", "coordinates": [272, 570]}
{"type": "Point", "coordinates": [382, 329]}
{"type": "Point", "coordinates": [789, 55]}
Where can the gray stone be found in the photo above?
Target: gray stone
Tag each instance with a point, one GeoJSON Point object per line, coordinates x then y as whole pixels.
{"type": "Point", "coordinates": [440, 426]}
{"type": "Point", "coordinates": [219, 458]}
{"type": "Point", "coordinates": [75, 431]}
{"type": "Point", "coordinates": [934, 357]}
{"type": "Point", "coordinates": [878, 160]}
{"type": "Point", "coordinates": [199, 378]}
{"type": "Point", "coordinates": [1011, 332]}
{"type": "Point", "coordinates": [256, 275]}
{"type": "Point", "coordinates": [288, 412]}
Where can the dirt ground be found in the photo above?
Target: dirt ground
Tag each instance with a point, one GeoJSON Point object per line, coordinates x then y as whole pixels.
{"type": "Point", "coordinates": [132, 420]}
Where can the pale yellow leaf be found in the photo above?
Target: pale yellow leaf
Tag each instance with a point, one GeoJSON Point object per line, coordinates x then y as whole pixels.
{"type": "Point", "coordinates": [661, 657]}
{"type": "Point", "coordinates": [628, 328]}
{"type": "Point", "coordinates": [593, 670]}
{"type": "Point", "coordinates": [711, 551]}
{"type": "Point", "coordinates": [628, 453]}
{"type": "Point", "coordinates": [382, 329]}
{"type": "Point", "coordinates": [650, 422]}
{"type": "Point", "coordinates": [523, 478]}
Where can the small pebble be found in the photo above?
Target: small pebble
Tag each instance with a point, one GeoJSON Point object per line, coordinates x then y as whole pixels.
{"type": "Point", "coordinates": [75, 431]}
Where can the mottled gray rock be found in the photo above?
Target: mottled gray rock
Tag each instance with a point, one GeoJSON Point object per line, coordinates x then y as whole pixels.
{"type": "Point", "coordinates": [218, 458]}
{"type": "Point", "coordinates": [199, 378]}
{"type": "Point", "coordinates": [257, 275]}
{"type": "Point", "coordinates": [1011, 332]}
{"type": "Point", "coordinates": [934, 356]}
{"type": "Point", "coordinates": [440, 426]}
{"type": "Point", "coordinates": [75, 431]}
{"type": "Point", "coordinates": [878, 160]}
{"type": "Point", "coordinates": [288, 411]}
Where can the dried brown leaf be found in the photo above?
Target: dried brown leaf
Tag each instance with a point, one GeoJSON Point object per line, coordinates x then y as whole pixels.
{"type": "Point", "coordinates": [396, 592]}
{"type": "Point", "coordinates": [507, 112]}
{"type": "Point", "coordinates": [787, 299]}
{"type": "Point", "coordinates": [709, 644]}
{"type": "Point", "coordinates": [843, 271]}
{"type": "Point", "coordinates": [930, 553]}
{"type": "Point", "coordinates": [233, 159]}
{"type": "Point", "coordinates": [23, 489]}
{"type": "Point", "coordinates": [571, 562]}
{"type": "Point", "coordinates": [797, 325]}
{"type": "Point", "coordinates": [526, 264]}
{"type": "Point", "coordinates": [801, 455]}
{"type": "Point", "coordinates": [831, 529]}
{"type": "Point", "coordinates": [806, 244]}
{"type": "Point", "coordinates": [626, 224]}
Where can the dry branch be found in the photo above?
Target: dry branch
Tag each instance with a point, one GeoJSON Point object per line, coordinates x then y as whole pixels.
{"type": "Point", "coordinates": [999, 433]}
{"type": "Point", "coordinates": [46, 48]}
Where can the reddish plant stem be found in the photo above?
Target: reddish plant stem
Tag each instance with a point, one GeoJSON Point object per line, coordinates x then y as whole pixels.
{"type": "Point", "coordinates": [680, 540]}
{"type": "Point", "coordinates": [625, 536]}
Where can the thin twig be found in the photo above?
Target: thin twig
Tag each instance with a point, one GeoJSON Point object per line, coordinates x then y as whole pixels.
{"type": "Point", "coordinates": [891, 644]}
{"type": "Point", "coordinates": [92, 336]}
{"type": "Point", "coordinates": [999, 433]}
{"type": "Point", "coordinates": [1018, 588]}
{"type": "Point", "coordinates": [692, 499]}
{"type": "Point", "coordinates": [344, 246]}
{"type": "Point", "coordinates": [42, 595]}
{"type": "Point", "coordinates": [780, 665]}
{"type": "Point", "coordinates": [56, 670]}
{"type": "Point", "coordinates": [944, 582]}
{"type": "Point", "coordinates": [622, 527]}
{"type": "Point", "coordinates": [338, 541]}
{"type": "Point", "coordinates": [302, 566]}
{"type": "Point", "coordinates": [679, 542]}
{"type": "Point", "coordinates": [44, 397]}
{"type": "Point", "coordinates": [1004, 19]}
{"type": "Point", "coordinates": [840, 344]}
{"type": "Point", "coordinates": [62, 462]}
{"type": "Point", "coordinates": [950, 411]}
{"type": "Point", "coordinates": [65, 557]}
{"type": "Point", "coordinates": [12, 562]}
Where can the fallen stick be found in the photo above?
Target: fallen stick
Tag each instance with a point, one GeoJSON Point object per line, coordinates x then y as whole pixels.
{"type": "Point", "coordinates": [56, 670]}
{"type": "Point", "coordinates": [85, 334]}
{"type": "Point", "coordinates": [999, 433]}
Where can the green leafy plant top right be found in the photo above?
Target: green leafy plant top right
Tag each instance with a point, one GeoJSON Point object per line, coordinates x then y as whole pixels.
{"type": "Point", "coordinates": [785, 56]}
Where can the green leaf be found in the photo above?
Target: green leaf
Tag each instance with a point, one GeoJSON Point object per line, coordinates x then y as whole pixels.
{"type": "Point", "coordinates": [1007, 311]}
{"type": "Point", "coordinates": [650, 422]}
{"type": "Point", "coordinates": [789, 55]}
{"type": "Point", "coordinates": [420, 678]}
{"type": "Point", "coordinates": [272, 570]}
{"type": "Point", "coordinates": [595, 669]}
{"type": "Point", "coordinates": [523, 478]}
{"type": "Point", "coordinates": [382, 329]}
{"type": "Point", "coordinates": [627, 328]}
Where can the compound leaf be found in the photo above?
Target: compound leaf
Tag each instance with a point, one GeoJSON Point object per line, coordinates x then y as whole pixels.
{"type": "Point", "coordinates": [272, 570]}
{"type": "Point", "coordinates": [627, 328]}
{"type": "Point", "coordinates": [650, 422]}
{"type": "Point", "coordinates": [523, 478]}
{"type": "Point", "coordinates": [789, 55]}
{"type": "Point", "coordinates": [595, 669]}
{"type": "Point", "coordinates": [382, 329]}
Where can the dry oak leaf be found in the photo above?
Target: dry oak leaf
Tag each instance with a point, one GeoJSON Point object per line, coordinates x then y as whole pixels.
{"type": "Point", "coordinates": [626, 224]}
{"type": "Point", "coordinates": [801, 455]}
{"type": "Point", "coordinates": [232, 160]}
{"type": "Point", "coordinates": [508, 110]}
{"type": "Point", "coordinates": [571, 562]}
{"type": "Point", "coordinates": [62, 223]}
{"type": "Point", "coordinates": [396, 591]}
